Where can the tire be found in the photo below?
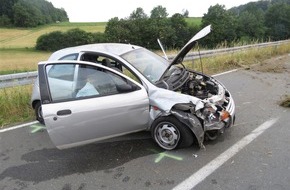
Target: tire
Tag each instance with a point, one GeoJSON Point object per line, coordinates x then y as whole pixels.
{"type": "Point", "coordinates": [38, 112]}
{"type": "Point", "coordinates": [169, 133]}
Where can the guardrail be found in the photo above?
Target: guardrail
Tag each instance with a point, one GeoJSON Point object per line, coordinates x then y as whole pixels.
{"type": "Point", "coordinates": [29, 77]}
{"type": "Point", "coordinates": [17, 79]}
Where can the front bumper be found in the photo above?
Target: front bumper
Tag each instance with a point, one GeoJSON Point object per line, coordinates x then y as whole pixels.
{"type": "Point", "coordinates": [221, 125]}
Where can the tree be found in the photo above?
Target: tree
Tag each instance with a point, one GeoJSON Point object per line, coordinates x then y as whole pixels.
{"type": "Point", "coordinates": [117, 30]}
{"type": "Point", "coordinates": [5, 21]}
{"type": "Point", "coordinates": [6, 8]}
{"type": "Point", "coordinates": [26, 15]}
{"type": "Point", "coordinates": [29, 13]}
{"type": "Point", "coordinates": [181, 30]}
{"type": "Point", "coordinates": [138, 14]}
{"type": "Point", "coordinates": [223, 25]}
{"type": "Point", "coordinates": [159, 12]}
{"type": "Point", "coordinates": [278, 21]}
{"type": "Point", "coordinates": [251, 25]}
{"type": "Point", "coordinates": [185, 13]}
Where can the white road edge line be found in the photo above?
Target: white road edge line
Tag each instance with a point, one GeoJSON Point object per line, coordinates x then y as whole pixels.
{"type": "Point", "coordinates": [209, 168]}
{"type": "Point", "coordinates": [18, 126]}
{"type": "Point", "coordinates": [227, 72]}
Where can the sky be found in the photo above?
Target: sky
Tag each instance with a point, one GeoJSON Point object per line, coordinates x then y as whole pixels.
{"type": "Point", "coordinates": [102, 11]}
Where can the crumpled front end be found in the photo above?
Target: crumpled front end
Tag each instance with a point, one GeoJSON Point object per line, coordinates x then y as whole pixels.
{"type": "Point", "coordinates": [206, 117]}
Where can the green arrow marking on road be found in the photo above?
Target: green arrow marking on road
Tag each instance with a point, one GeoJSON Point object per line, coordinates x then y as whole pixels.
{"type": "Point", "coordinates": [36, 128]}
{"type": "Point", "coordinates": [162, 155]}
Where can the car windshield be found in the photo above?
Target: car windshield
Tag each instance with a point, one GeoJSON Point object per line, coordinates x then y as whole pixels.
{"type": "Point", "coordinates": [151, 65]}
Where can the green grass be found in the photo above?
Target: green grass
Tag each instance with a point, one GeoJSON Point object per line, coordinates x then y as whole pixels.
{"type": "Point", "coordinates": [20, 60]}
{"type": "Point", "coordinates": [26, 38]}
{"type": "Point", "coordinates": [193, 21]}
{"type": "Point", "coordinates": [224, 62]}
{"type": "Point", "coordinates": [15, 106]}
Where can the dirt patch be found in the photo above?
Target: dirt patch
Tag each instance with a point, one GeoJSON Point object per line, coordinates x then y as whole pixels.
{"type": "Point", "coordinates": [274, 65]}
{"type": "Point", "coordinates": [285, 102]}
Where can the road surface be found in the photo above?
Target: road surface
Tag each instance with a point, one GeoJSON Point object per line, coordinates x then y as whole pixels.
{"type": "Point", "coordinates": [242, 158]}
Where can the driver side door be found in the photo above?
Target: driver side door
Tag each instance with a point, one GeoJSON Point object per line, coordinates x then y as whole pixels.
{"type": "Point", "coordinates": [117, 105]}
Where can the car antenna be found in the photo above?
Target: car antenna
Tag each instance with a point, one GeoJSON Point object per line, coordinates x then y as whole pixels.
{"type": "Point", "coordinates": [201, 65]}
{"type": "Point", "coordinates": [161, 46]}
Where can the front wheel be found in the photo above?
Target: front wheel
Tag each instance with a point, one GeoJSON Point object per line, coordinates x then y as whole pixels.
{"type": "Point", "coordinates": [169, 133]}
{"type": "Point", "coordinates": [38, 112]}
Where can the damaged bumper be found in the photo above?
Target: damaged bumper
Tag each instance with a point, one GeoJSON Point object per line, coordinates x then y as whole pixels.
{"type": "Point", "coordinates": [210, 127]}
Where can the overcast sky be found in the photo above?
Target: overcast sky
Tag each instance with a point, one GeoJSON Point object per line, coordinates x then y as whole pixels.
{"type": "Point", "coordinates": [103, 10]}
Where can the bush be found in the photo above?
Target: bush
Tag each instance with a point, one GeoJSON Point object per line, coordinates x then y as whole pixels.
{"type": "Point", "coordinates": [74, 37]}
{"type": "Point", "coordinates": [51, 42]}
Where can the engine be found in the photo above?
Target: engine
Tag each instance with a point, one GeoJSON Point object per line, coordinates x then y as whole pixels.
{"type": "Point", "coordinates": [199, 86]}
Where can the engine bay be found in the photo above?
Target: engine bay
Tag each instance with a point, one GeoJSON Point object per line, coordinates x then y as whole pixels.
{"type": "Point", "coordinates": [199, 86]}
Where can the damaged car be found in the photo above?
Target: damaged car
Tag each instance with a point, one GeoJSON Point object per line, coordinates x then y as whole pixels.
{"type": "Point", "coordinates": [94, 92]}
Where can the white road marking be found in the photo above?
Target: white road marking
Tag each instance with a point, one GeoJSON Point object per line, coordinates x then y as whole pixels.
{"type": "Point", "coordinates": [209, 168]}
{"type": "Point", "coordinates": [227, 72]}
{"type": "Point", "coordinates": [18, 126]}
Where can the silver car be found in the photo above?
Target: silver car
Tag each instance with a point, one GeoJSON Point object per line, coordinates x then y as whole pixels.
{"type": "Point", "coordinates": [94, 92]}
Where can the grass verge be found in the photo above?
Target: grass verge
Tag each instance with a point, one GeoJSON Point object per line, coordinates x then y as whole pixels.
{"type": "Point", "coordinates": [15, 102]}
{"type": "Point", "coordinates": [244, 59]}
{"type": "Point", "coordinates": [15, 105]}
{"type": "Point", "coordinates": [286, 102]}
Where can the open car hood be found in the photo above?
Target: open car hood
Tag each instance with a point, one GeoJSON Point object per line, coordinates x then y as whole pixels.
{"type": "Point", "coordinates": [189, 45]}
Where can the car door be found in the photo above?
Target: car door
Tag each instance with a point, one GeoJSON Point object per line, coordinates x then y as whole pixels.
{"type": "Point", "coordinates": [116, 106]}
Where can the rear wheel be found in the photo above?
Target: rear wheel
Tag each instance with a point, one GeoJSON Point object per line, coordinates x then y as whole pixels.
{"type": "Point", "coordinates": [38, 112]}
{"type": "Point", "coordinates": [169, 133]}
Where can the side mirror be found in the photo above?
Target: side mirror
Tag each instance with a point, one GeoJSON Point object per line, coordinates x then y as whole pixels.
{"type": "Point", "coordinates": [123, 88]}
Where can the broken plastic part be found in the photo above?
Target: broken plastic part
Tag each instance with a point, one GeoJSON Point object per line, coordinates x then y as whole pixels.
{"type": "Point", "coordinates": [225, 115]}
{"type": "Point", "coordinates": [193, 123]}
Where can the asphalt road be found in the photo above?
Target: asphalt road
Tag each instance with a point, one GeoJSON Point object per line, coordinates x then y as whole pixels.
{"type": "Point", "coordinates": [30, 161]}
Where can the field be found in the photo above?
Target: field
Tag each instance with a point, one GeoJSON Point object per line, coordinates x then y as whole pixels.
{"type": "Point", "coordinates": [17, 52]}
{"type": "Point", "coordinates": [193, 20]}
{"type": "Point", "coordinates": [20, 60]}
{"type": "Point", "coordinates": [26, 38]}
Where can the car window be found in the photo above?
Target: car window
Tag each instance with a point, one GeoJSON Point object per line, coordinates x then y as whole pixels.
{"type": "Point", "coordinates": [61, 80]}
{"type": "Point", "coordinates": [130, 74]}
{"type": "Point", "coordinates": [70, 57]}
{"type": "Point", "coordinates": [148, 63]}
{"type": "Point", "coordinates": [89, 82]}
{"type": "Point", "coordinates": [109, 62]}
{"type": "Point", "coordinates": [94, 81]}
{"type": "Point", "coordinates": [61, 71]}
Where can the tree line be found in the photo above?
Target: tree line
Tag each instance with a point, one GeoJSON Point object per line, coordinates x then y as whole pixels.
{"type": "Point", "coordinates": [29, 13]}
{"type": "Point", "coordinates": [262, 20]}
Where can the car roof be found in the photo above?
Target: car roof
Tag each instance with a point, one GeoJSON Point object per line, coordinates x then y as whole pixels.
{"type": "Point", "coordinates": [110, 48]}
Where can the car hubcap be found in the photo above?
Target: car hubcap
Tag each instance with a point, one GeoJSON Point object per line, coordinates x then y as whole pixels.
{"type": "Point", "coordinates": [167, 135]}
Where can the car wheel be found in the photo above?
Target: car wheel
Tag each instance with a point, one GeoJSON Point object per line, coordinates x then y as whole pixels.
{"type": "Point", "coordinates": [38, 112]}
{"type": "Point", "coordinates": [169, 133]}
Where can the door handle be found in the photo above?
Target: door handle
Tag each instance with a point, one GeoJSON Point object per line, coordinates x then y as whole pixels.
{"type": "Point", "coordinates": [63, 112]}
